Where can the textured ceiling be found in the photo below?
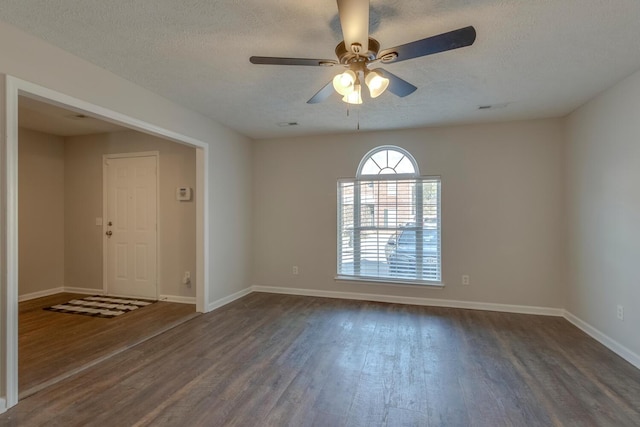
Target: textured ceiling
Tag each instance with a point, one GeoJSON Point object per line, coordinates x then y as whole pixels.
{"type": "Point", "coordinates": [541, 58]}
{"type": "Point", "coordinates": [47, 118]}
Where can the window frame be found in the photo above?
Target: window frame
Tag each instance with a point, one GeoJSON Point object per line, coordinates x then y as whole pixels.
{"type": "Point", "coordinates": [373, 152]}
{"type": "Point", "coordinates": [417, 203]}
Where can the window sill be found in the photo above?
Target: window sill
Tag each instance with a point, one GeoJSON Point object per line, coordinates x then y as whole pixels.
{"type": "Point", "coordinates": [389, 281]}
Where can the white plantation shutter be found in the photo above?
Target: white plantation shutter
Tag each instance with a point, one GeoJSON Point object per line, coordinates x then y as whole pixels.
{"type": "Point", "coordinates": [389, 228]}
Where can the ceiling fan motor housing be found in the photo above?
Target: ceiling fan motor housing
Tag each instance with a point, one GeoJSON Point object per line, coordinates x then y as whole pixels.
{"type": "Point", "coordinates": [347, 57]}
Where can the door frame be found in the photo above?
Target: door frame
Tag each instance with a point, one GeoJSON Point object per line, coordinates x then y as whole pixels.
{"type": "Point", "coordinates": [105, 249]}
{"type": "Point", "coordinates": [10, 89]}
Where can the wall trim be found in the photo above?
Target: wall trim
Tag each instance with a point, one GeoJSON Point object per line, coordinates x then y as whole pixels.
{"type": "Point", "coordinates": [53, 291]}
{"type": "Point", "coordinates": [3, 406]}
{"type": "Point", "coordinates": [89, 291]}
{"type": "Point", "coordinates": [178, 299]}
{"type": "Point", "coordinates": [40, 294]}
{"type": "Point", "coordinates": [84, 291]}
{"type": "Point", "coordinates": [604, 339]}
{"type": "Point", "coordinates": [434, 302]}
{"type": "Point", "coordinates": [9, 233]}
{"type": "Point", "coordinates": [228, 299]}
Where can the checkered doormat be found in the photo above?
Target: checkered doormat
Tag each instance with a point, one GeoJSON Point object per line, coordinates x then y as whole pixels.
{"type": "Point", "coordinates": [100, 306]}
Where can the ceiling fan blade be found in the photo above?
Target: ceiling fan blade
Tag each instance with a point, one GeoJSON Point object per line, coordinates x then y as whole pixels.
{"type": "Point", "coordinates": [354, 20]}
{"type": "Point", "coordinates": [440, 43]}
{"type": "Point", "coordinates": [270, 60]}
{"type": "Point", "coordinates": [322, 94]}
{"type": "Point", "coordinates": [397, 86]}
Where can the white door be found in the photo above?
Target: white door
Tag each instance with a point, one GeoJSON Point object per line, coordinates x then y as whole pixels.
{"type": "Point", "coordinates": [131, 229]}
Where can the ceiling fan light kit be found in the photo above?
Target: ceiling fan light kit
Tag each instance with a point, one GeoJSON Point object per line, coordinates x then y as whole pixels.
{"type": "Point", "coordinates": [344, 83]}
{"type": "Point", "coordinates": [364, 51]}
{"type": "Point", "coordinates": [348, 85]}
{"type": "Point", "coordinates": [355, 97]}
{"type": "Point", "coordinates": [376, 83]}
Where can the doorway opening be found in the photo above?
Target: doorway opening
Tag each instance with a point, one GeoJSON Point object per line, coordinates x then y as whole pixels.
{"type": "Point", "coordinates": [18, 92]}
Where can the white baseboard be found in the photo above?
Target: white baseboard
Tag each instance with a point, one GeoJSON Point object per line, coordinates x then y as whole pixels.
{"type": "Point", "coordinates": [508, 308]}
{"type": "Point", "coordinates": [84, 291]}
{"type": "Point", "coordinates": [53, 291]}
{"type": "Point", "coordinates": [228, 299]}
{"type": "Point", "coordinates": [40, 294]}
{"type": "Point", "coordinates": [178, 299]}
{"type": "Point", "coordinates": [604, 339]}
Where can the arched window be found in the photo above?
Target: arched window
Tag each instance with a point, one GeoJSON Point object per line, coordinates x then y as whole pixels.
{"type": "Point", "coordinates": [387, 160]}
{"type": "Point", "coordinates": [389, 221]}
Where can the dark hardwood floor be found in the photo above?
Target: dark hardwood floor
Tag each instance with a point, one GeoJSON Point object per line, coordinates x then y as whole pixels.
{"type": "Point", "coordinates": [54, 345]}
{"type": "Point", "coordinates": [276, 360]}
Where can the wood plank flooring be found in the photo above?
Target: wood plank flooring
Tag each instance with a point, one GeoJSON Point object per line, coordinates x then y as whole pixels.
{"type": "Point", "coordinates": [278, 360]}
{"type": "Point", "coordinates": [53, 345]}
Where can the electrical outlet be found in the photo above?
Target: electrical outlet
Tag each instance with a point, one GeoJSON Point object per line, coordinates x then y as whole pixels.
{"type": "Point", "coordinates": [186, 279]}
{"type": "Point", "coordinates": [294, 270]}
{"type": "Point", "coordinates": [620, 312]}
{"type": "Point", "coordinates": [465, 280]}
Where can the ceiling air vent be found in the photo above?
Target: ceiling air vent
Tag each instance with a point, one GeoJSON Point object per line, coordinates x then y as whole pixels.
{"type": "Point", "coordinates": [492, 106]}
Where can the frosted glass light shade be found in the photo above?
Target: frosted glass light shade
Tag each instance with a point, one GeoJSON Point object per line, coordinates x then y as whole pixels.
{"type": "Point", "coordinates": [344, 83]}
{"type": "Point", "coordinates": [354, 97]}
{"type": "Point", "coordinates": [376, 83]}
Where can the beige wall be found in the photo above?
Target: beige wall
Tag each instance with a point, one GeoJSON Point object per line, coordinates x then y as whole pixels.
{"type": "Point", "coordinates": [229, 155]}
{"type": "Point", "coordinates": [41, 212]}
{"type": "Point", "coordinates": [229, 159]}
{"type": "Point", "coordinates": [230, 227]}
{"type": "Point", "coordinates": [502, 209]}
{"type": "Point", "coordinates": [84, 203]}
{"type": "Point", "coordinates": [603, 188]}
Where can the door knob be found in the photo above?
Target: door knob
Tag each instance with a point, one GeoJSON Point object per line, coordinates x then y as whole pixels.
{"type": "Point", "coordinates": [109, 233]}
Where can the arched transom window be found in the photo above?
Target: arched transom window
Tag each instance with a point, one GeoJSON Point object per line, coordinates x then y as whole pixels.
{"type": "Point", "coordinates": [387, 160]}
{"type": "Point", "coordinates": [389, 221]}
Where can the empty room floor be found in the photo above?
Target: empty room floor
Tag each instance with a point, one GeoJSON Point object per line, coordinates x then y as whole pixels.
{"type": "Point", "coordinates": [55, 345]}
{"type": "Point", "coordinates": [288, 360]}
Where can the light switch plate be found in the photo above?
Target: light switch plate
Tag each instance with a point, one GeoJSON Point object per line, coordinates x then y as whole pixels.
{"type": "Point", "coordinates": [183, 194]}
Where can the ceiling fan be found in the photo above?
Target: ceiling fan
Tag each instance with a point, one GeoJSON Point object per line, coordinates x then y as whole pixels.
{"type": "Point", "coordinates": [358, 53]}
